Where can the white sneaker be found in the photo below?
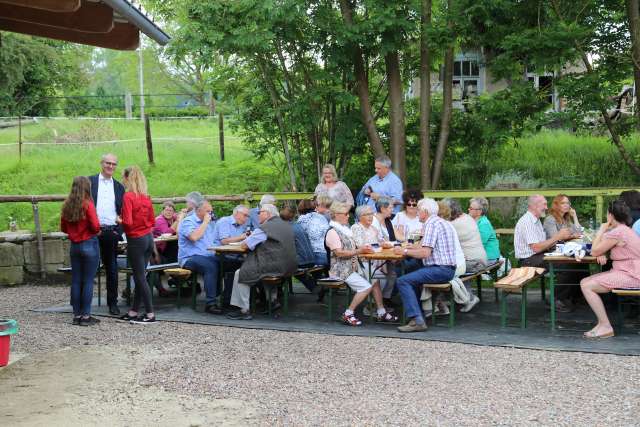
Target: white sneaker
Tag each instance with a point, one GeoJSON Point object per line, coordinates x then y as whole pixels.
{"type": "Point", "coordinates": [442, 309]}
{"type": "Point", "coordinates": [468, 306]}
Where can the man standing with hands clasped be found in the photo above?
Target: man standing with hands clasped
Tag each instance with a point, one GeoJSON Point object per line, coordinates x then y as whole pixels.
{"type": "Point", "coordinates": [107, 195]}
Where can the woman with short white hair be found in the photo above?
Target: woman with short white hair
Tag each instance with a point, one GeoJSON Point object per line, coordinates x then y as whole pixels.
{"type": "Point", "coordinates": [345, 266]}
{"type": "Point", "coordinates": [332, 187]}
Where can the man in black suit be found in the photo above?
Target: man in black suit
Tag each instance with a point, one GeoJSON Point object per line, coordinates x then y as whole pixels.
{"type": "Point", "coordinates": [107, 195]}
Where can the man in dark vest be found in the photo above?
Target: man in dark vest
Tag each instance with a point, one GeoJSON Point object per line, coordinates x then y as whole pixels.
{"type": "Point", "coordinates": [107, 196]}
{"type": "Point", "coordinates": [272, 252]}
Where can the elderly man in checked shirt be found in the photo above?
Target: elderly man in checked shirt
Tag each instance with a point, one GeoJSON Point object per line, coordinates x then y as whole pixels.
{"type": "Point", "coordinates": [438, 255]}
{"type": "Point", "coordinates": [530, 243]}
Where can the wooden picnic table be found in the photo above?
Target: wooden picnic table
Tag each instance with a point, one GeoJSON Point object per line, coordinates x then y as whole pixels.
{"type": "Point", "coordinates": [555, 261]}
{"type": "Point", "coordinates": [173, 238]}
{"type": "Point", "coordinates": [229, 249]}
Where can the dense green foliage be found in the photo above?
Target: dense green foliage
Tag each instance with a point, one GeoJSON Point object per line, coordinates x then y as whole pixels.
{"type": "Point", "coordinates": [32, 70]}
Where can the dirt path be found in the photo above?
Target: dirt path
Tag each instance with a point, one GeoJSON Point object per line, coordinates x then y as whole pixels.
{"type": "Point", "coordinates": [98, 385]}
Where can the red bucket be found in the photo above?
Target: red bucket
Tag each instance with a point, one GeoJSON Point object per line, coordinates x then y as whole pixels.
{"type": "Point", "coordinates": [5, 345]}
{"type": "Point", "coordinates": [7, 328]}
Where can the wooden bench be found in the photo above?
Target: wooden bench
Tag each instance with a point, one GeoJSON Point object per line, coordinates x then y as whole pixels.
{"type": "Point", "coordinates": [183, 275]}
{"type": "Point", "coordinates": [149, 269]}
{"type": "Point", "coordinates": [441, 287]}
{"type": "Point", "coordinates": [621, 294]}
{"type": "Point", "coordinates": [67, 270]}
{"type": "Point", "coordinates": [331, 284]}
{"type": "Point", "coordinates": [505, 290]}
{"type": "Point", "coordinates": [446, 288]}
{"type": "Point", "coordinates": [491, 270]}
{"type": "Point", "coordinates": [274, 281]}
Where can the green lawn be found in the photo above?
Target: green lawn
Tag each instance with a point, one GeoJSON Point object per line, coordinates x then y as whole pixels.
{"type": "Point", "coordinates": [181, 164]}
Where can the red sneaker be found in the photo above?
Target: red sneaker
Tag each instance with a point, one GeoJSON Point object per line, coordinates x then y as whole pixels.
{"type": "Point", "coordinates": [350, 319]}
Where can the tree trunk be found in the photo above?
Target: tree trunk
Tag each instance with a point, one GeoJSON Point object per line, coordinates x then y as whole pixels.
{"type": "Point", "coordinates": [275, 102]}
{"type": "Point", "coordinates": [633, 16]}
{"type": "Point", "coordinates": [396, 115]}
{"type": "Point", "coordinates": [362, 85]}
{"type": "Point", "coordinates": [425, 97]}
{"type": "Point", "coordinates": [447, 110]}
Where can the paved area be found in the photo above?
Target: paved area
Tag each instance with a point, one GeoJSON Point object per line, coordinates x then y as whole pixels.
{"type": "Point", "coordinates": [175, 373]}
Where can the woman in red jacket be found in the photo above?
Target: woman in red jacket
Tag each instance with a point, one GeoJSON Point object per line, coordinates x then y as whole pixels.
{"type": "Point", "coordinates": [137, 219]}
{"type": "Point", "coordinates": [79, 220]}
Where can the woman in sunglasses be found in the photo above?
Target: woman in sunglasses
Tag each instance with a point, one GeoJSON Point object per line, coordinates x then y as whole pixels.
{"type": "Point", "coordinates": [407, 223]}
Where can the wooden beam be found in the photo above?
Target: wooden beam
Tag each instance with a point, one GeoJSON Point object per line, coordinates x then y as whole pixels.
{"type": "Point", "coordinates": [50, 5]}
{"type": "Point", "coordinates": [90, 18]}
{"type": "Point", "coordinates": [124, 36]}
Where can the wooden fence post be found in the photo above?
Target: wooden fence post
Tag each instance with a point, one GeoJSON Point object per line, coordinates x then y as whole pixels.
{"type": "Point", "coordinates": [36, 221]}
{"type": "Point", "coordinates": [128, 105]}
{"type": "Point", "coordinates": [599, 210]}
{"type": "Point", "coordinates": [147, 130]}
{"type": "Point", "coordinates": [20, 137]}
{"type": "Point", "coordinates": [221, 134]}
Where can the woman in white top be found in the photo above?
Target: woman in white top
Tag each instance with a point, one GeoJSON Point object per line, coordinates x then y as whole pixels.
{"type": "Point", "coordinates": [407, 223]}
{"type": "Point", "coordinates": [365, 234]}
{"type": "Point", "coordinates": [382, 219]}
{"type": "Point", "coordinates": [332, 187]}
{"type": "Point", "coordinates": [469, 235]}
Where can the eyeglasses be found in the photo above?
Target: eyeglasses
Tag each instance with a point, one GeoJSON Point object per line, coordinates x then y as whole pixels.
{"type": "Point", "coordinates": [474, 209]}
{"type": "Point", "coordinates": [111, 163]}
{"type": "Point", "coordinates": [412, 205]}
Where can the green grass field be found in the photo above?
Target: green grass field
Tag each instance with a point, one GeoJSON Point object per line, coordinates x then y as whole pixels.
{"type": "Point", "coordinates": [181, 164]}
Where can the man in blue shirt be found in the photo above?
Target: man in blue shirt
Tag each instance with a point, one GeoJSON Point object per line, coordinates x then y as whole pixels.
{"type": "Point", "coordinates": [195, 237]}
{"type": "Point", "coordinates": [231, 229]}
{"type": "Point", "coordinates": [383, 183]}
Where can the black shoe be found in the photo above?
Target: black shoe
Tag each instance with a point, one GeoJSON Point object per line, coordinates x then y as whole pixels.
{"type": "Point", "coordinates": [89, 321]}
{"type": "Point", "coordinates": [213, 309]}
{"type": "Point", "coordinates": [239, 315]}
{"type": "Point", "coordinates": [143, 320]}
{"type": "Point", "coordinates": [127, 318]}
{"type": "Point", "coordinates": [114, 310]}
{"type": "Point", "coordinates": [76, 321]}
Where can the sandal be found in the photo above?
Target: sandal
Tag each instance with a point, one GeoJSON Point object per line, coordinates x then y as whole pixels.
{"type": "Point", "coordinates": [387, 318]}
{"type": "Point", "coordinates": [591, 335]}
{"type": "Point", "coordinates": [351, 320]}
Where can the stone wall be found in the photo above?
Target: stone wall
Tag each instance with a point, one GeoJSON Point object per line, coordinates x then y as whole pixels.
{"type": "Point", "coordinates": [19, 255]}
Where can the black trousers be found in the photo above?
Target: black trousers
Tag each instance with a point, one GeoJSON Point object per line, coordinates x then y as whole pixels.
{"type": "Point", "coordinates": [108, 240]}
{"type": "Point", "coordinates": [139, 251]}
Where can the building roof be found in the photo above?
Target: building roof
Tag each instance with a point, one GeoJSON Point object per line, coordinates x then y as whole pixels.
{"type": "Point", "coordinates": [113, 24]}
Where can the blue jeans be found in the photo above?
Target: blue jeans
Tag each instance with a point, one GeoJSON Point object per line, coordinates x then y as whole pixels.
{"type": "Point", "coordinates": [208, 266]}
{"type": "Point", "coordinates": [321, 258]}
{"type": "Point", "coordinates": [410, 287]}
{"type": "Point", "coordinates": [85, 259]}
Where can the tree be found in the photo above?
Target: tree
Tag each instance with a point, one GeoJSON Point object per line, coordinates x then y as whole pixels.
{"type": "Point", "coordinates": [33, 70]}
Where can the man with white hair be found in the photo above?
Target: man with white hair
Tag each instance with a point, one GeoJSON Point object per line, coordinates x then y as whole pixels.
{"type": "Point", "coordinates": [231, 229]}
{"type": "Point", "coordinates": [438, 255]}
{"type": "Point", "coordinates": [530, 243]}
{"type": "Point", "coordinates": [266, 199]}
{"type": "Point", "coordinates": [383, 183]}
{"type": "Point", "coordinates": [195, 237]}
{"type": "Point", "coordinates": [272, 252]}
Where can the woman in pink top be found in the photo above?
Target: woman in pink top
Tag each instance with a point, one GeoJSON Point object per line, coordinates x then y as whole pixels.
{"type": "Point", "coordinates": [623, 245]}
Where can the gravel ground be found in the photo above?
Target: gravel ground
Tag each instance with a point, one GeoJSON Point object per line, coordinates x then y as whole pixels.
{"type": "Point", "coordinates": [268, 377]}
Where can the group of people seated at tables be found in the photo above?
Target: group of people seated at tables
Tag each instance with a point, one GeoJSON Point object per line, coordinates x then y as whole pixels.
{"type": "Point", "coordinates": [434, 242]}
